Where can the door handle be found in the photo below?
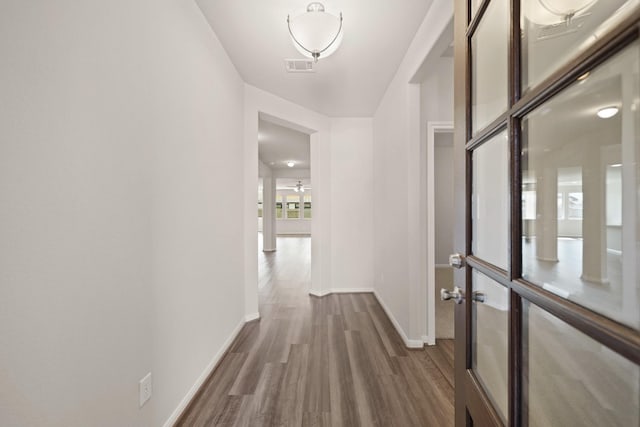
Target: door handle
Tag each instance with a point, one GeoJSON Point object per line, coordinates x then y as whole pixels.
{"type": "Point", "coordinates": [456, 294]}
{"type": "Point", "coordinates": [456, 260]}
{"type": "Point", "coordinates": [479, 296]}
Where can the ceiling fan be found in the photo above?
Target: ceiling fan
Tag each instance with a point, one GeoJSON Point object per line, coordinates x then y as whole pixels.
{"type": "Point", "coordinates": [298, 188]}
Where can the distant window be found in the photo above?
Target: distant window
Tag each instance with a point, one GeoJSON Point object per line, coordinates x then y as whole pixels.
{"type": "Point", "coordinates": [575, 206]}
{"type": "Point", "coordinates": [560, 206]}
{"type": "Point", "coordinates": [528, 205]}
{"type": "Point", "coordinates": [279, 207]}
{"type": "Point", "coordinates": [307, 206]}
{"type": "Point", "coordinates": [293, 207]}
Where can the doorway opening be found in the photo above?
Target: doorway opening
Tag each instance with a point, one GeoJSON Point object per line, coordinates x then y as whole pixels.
{"type": "Point", "coordinates": [285, 204]}
{"type": "Point", "coordinates": [440, 228]}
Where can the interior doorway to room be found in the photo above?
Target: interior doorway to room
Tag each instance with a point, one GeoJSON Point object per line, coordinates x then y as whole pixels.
{"type": "Point", "coordinates": [285, 200]}
{"type": "Point", "coordinates": [443, 209]}
{"type": "Point", "coordinates": [440, 227]}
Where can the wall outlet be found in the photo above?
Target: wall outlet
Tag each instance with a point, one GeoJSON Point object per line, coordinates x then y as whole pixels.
{"type": "Point", "coordinates": [144, 389]}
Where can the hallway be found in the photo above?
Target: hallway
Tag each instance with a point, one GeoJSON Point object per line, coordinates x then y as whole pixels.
{"type": "Point", "coordinates": [332, 361]}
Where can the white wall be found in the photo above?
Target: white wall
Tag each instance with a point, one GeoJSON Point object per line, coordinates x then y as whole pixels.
{"type": "Point", "coordinates": [436, 92]}
{"type": "Point", "coordinates": [399, 240]}
{"type": "Point", "coordinates": [352, 203]}
{"type": "Point", "coordinates": [120, 126]}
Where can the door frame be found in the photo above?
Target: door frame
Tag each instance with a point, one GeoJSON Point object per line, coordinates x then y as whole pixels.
{"type": "Point", "coordinates": [433, 127]}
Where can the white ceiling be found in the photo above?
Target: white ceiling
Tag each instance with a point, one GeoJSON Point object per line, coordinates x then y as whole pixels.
{"type": "Point", "coordinates": [351, 82]}
{"type": "Point", "coordinates": [278, 144]}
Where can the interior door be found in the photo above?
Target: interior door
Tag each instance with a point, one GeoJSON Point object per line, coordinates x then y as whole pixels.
{"type": "Point", "coordinates": [547, 172]}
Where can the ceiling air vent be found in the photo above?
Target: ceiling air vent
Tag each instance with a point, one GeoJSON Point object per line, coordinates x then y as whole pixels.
{"type": "Point", "coordinates": [299, 65]}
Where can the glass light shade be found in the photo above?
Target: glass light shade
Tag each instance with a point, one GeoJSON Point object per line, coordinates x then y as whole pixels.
{"type": "Point", "coordinates": [549, 12]}
{"type": "Point", "coordinates": [608, 112]}
{"type": "Point", "coordinates": [315, 31]}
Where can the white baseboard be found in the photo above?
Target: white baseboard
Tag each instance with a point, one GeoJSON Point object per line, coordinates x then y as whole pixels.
{"type": "Point", "coordinates": [407, 342]}
{"type": "Point", "coordinates": [173, 418]}
{"type": "Point", "coordinates": [341, 291]}
{"type": "Point", "coordinates": [540, 258]}
{"type": "Point", "coordinates": [251, 317]}
{"type": "Point", "coordinates": [428, 340]}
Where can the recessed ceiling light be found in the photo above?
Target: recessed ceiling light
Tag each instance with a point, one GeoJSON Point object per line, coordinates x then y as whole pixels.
{"type": "Point", "coordinates": [291, 164]}
{"type": "Point", "coordinates": [607, 112]}
{"type": "Point", "coordinates": [617, 165]}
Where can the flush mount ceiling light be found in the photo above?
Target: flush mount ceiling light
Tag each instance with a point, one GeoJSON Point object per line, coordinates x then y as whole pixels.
{"type": "Point", "coordinates": [291, 163]}
{"type": "Point", "coordinates": [315, 33]}
{"type": "Point", "coordinates": [607, 112]}
{"type": "Point", "coordinates": [550, 12]}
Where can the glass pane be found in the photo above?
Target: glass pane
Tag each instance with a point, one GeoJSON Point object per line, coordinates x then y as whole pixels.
{"type": "Point", "coordinates": [475, 4]}
{"type": "Point", "coordinates": [555, 31]}
{"type": "Point", "coordinates": [571, 380]}
{"type": "Point", "coordinates": [584, 167]}
{"type": "Point", "coordinates": [489, 56]}
{"type": "Point", "coordinates": [490, 326]}
{"type": "Point", "coordinates": [490, 202]}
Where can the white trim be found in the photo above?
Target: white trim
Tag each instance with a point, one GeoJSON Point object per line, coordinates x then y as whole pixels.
{"type": "Point", "coordinates": [598, 280]}
{"type": "Point", "coordinates": [173, 418]}
{"type": "Point", "coordinates": [251, 317]}
{"type": "Point", "coordinates": [295, 233]}
{"type": "Point", "coordinates": [432, 128]}
{"type": "Point", "coordinates": [407, 342]}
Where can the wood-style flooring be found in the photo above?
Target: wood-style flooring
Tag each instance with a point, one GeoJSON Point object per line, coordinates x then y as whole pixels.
{"type": "Point", "coordinates": [331, 361]}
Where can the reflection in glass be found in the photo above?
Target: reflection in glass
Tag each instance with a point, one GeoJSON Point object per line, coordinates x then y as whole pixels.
{"type": "Point", "coordinates": [555, 31]}
{"type": "Point", "coordinates": [490, 326]}
{"type": "Point", "coordinates": [490, 201]}
{"type": "Point", "coordinates": [475, 4]}
{"type": "Point", "coordinates": [584, 171]}
{"type": "Point", "coordinates": [489, 56]}
{"type": "Point", "coordinates": [571, 380]}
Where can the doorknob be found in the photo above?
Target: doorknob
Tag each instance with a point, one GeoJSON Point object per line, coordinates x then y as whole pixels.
{"type": "Point", "coordinates": [456, 294]}
{"type": "Point", "coordinates": [456, 260]}
{"type": "Point", "coordinates": [479, 296]}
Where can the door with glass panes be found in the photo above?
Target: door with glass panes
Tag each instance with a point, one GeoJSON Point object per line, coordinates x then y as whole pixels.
{"type": "Point", "coordinates": [547, 142]}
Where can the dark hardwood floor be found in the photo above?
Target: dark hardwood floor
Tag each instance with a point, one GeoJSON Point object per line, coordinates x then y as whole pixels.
{"type": "Point", "coordinates": [331, 361]}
